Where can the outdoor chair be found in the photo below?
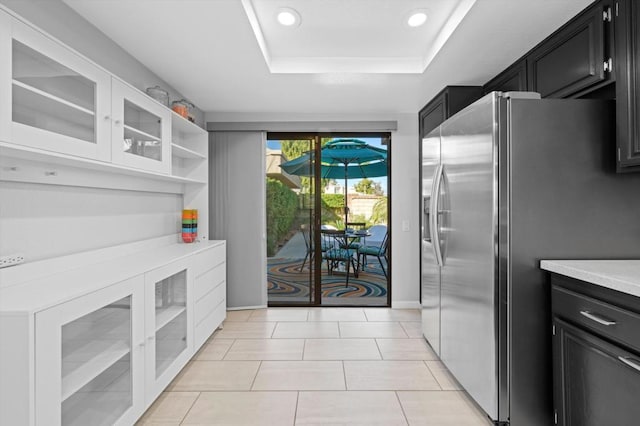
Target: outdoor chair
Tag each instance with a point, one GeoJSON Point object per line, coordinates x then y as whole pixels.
{"type": "Point", "coordinates": [307, 235]}
{"type": "Point", "coordinates": [336, 254]}
{"type": "Point", "coordinates": [378, 251]}
{"type": "Point", "coordinates": [377, 235]}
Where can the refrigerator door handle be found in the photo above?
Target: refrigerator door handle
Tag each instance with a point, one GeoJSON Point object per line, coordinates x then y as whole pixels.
{"type": "Point", "coordinates": [426, 228]}
{"type": "Point", "coordinates": [433, 217]}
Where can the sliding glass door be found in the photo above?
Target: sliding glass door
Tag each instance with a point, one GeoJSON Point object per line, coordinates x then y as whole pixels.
{"type": "Point", "coordinates": [328, 239]}
{"type": "Point", "coordinates": [291, 221]}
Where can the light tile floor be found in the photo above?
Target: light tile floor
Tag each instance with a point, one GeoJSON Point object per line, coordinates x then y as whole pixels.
{"type": "Point", "coordinates": [316, 366]}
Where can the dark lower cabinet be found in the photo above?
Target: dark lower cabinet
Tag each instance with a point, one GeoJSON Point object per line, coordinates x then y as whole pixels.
{"type": "Point", "coordinates": [627, 85]}
{"type": "Point", "coordinates": [513, 79]}
{"type": "Point", "coordinates": [596, 387]}
{"type": "Point", "coordinates": [445, 104]}
{"type": "Point", "coordinates": [596, 365]}
{"type": "Point", "coordinates": [574, 58]}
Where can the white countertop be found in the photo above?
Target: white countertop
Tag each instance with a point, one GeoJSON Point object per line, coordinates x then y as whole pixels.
{"type": "Point", "coordinates": [59, 284]}
{"type": "Point", "coordinates": [620, 275]}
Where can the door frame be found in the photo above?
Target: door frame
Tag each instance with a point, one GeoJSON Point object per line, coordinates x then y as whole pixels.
{"type": "Point", "coordinates": [317, 217]}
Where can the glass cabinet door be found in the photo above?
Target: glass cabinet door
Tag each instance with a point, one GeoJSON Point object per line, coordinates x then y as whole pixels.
{"type": "Point", "coordinates": [87, 369]}
{"type": "Point", "coordinates": [171, 320]}
{"type": "Point", "coordinates": [5, 76]}
{"type": "Point", "coordinates": [168, 324]}
{"type": "Point", "coordinates": [59, 101]}
{"type": "Point", "coordinates": [141, 130]}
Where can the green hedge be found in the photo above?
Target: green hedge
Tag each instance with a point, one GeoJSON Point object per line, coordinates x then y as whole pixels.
{"type": "Point", "coordinates": [282, 207]}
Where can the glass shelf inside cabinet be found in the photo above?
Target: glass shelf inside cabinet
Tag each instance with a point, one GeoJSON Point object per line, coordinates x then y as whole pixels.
{"type": "Point", "coordinates": [96, 366]}
{"type": "Point", "coordinates": [142, 132]}
{"type": "Point", "coordinates": [50, 96]}
{"type": "Point", "coordinates": [171, 320]}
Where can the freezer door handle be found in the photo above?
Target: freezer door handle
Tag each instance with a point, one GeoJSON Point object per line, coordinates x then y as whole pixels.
{"type": "Point", "coordinates": [433, 217]}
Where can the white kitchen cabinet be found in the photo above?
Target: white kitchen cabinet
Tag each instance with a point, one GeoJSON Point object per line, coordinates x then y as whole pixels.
{"type": "Point", "coordinates": [210, 292]}
{"type": "Point", "coordinates": [59, 101]}
{"type": "Point", "coordinates": [89, 358]}
{"type": "Point", "coordinates": [169, 324]}
{"type": "Point", "coordinates": [96, 344]}
{"type": "Point", "coordinates": [141, 132]}
{"type": "Point", "coordinates": [5, 76]}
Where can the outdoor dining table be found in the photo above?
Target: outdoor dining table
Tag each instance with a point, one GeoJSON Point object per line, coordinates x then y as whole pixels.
{"type": "Point", "coordinates": [346, 238]}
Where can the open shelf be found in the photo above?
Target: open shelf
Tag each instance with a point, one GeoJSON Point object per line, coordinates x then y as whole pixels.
{"type": "Point", "coordinates": [168, 314]}
{"type": "Point", "coordinates": [9, 150]}
{"type": "Point", "coordinates": [99, 355]}
{"type": "Point", "coordinates": [141, 133]}
{"type": "Point", "coordinates": [52, 97]}
{"type": "Point", "coordinates": [182, 152]}
{"type": "Point", "coordinates": [182, 125]}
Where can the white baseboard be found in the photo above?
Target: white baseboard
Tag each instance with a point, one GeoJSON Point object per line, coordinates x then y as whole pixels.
{"type": "Point", "coordinates": [405, 304]}
{"type": "Point", "coordinates": [242, 308]}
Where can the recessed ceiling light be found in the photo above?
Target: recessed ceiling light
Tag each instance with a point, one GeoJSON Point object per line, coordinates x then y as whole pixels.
{"type": "Point", "coordinates": [288, 17]}
{"type": "Point", "coordinates": [417, 18]}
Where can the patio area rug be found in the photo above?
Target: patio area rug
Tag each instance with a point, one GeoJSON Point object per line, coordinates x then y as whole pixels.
{"type": "Point", "coordinates": [286, 280]}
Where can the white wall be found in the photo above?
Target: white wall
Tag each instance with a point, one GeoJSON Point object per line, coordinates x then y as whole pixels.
{"type": "Point", "coordinates": [404, 191]}
{"type": "Point", "coordinates": [44, 221]}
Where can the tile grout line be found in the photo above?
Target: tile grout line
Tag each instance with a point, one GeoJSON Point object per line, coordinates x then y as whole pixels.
{"type": "Point", "coordinates": [190, 408]}
{"type": "Point", "coordinates": [406, 419]}
{"type": "Point", "coordinates": [295, 413]}
{"type": "Point", "coordinates": [403, 329]}
{"type": "Point", "coordinates": [378, 346]}
{"type": "Point", "coordinates": [434, 376]}
{"type": "Point", "coordinates": [228, 350]}
{"type": "Point", "coordinates": [344, 376]}
{"type": "Point", "coordinates": [253, 382]}
{"type": "Point", "coordinates": [304, 348]}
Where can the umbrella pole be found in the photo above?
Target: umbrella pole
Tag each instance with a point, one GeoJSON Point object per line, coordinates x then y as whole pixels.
{"type": "Point", "coordinates": [346, 207]}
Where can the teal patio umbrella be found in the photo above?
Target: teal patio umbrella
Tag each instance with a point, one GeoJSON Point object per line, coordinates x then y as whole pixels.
{"type": "Point", "coordinates": [342, 158]}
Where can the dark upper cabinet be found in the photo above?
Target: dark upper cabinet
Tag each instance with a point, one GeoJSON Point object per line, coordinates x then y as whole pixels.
{"type": "Point", "coordinates": [627, 42]}
{"type": "Point", "coordinates": [573, 58]}
{"type": "Point", "coordinates": [445, 104]}
{"type": "Point", "coordinates": [596, 354]}
{"type": "Point", "coordinates": [512, 79]}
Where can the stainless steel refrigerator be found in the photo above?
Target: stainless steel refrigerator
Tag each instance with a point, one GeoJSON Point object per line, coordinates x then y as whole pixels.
{"type": "Point", "coordinates": [508, 181]}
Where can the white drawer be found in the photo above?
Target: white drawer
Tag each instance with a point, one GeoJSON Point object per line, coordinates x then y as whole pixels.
{"type": "Point", "coordinates": [209, 324]}
{"type": "Point", "coordinates": [209, 280]}
{"type": "Point", "coordinates": [208, 259]}
{"type": "Point", "coordinates": [209, 302]}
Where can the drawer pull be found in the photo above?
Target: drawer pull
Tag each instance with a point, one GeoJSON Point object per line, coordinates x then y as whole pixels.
{"type": "Point", "coordinates": [597, 318]}
{"type": "Point", "coordinates": [630, 362]}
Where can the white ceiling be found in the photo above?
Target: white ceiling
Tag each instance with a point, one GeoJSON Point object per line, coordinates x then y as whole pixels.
{"type": "Point", "coordinates": [355, 36]}
{"type": "Point", "coordinates": [207, 50]}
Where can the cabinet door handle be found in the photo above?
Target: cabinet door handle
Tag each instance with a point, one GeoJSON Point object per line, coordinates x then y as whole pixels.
{"type": "Point", "coordinates": [597, 318]}
{"type": "Point", "coordinates": [635, 364]}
